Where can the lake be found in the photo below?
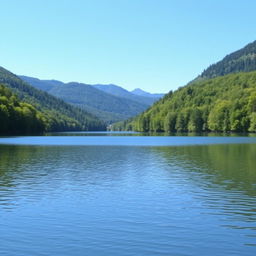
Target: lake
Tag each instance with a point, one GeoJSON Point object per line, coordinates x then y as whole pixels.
{"type": "Point", "coordinates": [126, 194]}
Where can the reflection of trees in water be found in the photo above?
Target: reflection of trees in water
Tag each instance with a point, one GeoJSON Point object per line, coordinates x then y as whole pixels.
{"type": "Point", "coordinates": [226, 175]}
{"type": "Point", "coordinates": [15, 166]}
{"type": "Point", "coordinates": [43, 170]}
{"type": "Point", "coordinates": [230, 165]}
{"type": "Point", "coordinates": [12, 160]}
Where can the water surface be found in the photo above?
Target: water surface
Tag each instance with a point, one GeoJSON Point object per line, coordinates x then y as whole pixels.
{"type": "Point", "coordinates": [143, 196]}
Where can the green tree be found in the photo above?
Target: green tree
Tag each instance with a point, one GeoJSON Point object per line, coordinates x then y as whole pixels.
{"type": "Point", "coordinates": [252, 127]}
{"type": "Point", "coordinates": [195, 121]}
{"type": "Point", "coordinates": [181, 123]}
{"type": "Point", "coordinates": [170, 122]}
{"type": "Point", "coordinates": [219, 116]}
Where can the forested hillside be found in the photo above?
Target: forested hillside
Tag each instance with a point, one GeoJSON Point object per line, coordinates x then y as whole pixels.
{"type": "Point", "coordinates": [226, 103]}
{"type": "Point", "coordinates": [18, 117]}
{"type": "Point", "coordinates": [57, 115]}
{"type": "Point", "coordinates": [222, 98]}
{"type": "Point", "coordinates": [107, 107]}
{"type": "Point", "coordinates": [110, 103]}
{"type": "Point", "coordinates": [243, 60]}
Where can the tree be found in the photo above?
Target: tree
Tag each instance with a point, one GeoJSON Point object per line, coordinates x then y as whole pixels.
{"type": "Point", "coordinates": [181, 123]}
{"type": "Point", "coordinates": [170, 122]}
{"type": "Point", "coordinates": [219, 116]}
{"type": "Point", "coordinates": [195, 121]}
{"type": "Point", "coordinates": [252, 127]}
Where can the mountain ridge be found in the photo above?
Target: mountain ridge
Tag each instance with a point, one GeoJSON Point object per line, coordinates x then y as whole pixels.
{"type": "Point", "coordinates": [58, 115]}
{"type": "Point", "coordinates": [242, 60]}
{"type": "Point", "coordinates": [123, 93]}
{"type": "Point", "coordinates": [119, 104]}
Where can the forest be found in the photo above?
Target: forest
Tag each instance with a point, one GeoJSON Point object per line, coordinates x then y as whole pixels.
{"type": "Point", "coordinates": [221, 99]}
{"type": "Point", "coordinates": [18, 117]}
{"type": "Point", "coordinates": [222, 104]}
{"type": "Point", "coordinates": [243, 60]}
{"type": "Point", "coordinates": [56, 114]}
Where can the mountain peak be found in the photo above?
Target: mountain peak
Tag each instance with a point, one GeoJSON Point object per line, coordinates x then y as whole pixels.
{"type": "Point", "coordinates": [140, 92]}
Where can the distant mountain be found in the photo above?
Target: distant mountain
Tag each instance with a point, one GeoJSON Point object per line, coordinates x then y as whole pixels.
{"type": "Point", "coordinates": [147, 99]}
{"type": "Point", "coordinates": [243, 60]}
{"type": "Point", "coordinates": [106, 106]}
{"type": "Point", "coordinates": [55, 113]}
{"type": "Point", "coordinates": [140, 92]}
{"type": "Point", "coordinates": [44, 85]}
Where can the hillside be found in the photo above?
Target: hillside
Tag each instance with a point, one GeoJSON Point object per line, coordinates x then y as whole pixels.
{"type": "Point", "coordinates": [110, 107]}
{"type": "Point", "coordinates": [226, 103]}
{"type": "Point", "coordinates": [57, 115]}
{"type": "Point", "coordinates": [222, 98]}
{"type": "Point", "coordinates": [243, 60]}
{"type": "Point", "coordinates": [18, 117]}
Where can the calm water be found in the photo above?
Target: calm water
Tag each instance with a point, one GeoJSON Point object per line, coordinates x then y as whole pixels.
{"type": "Point", "coordinates": [127, 195]}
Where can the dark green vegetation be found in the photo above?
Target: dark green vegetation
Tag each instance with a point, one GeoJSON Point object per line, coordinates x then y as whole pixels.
{"type": "Point", "coordinates": [222, 104]}
{"type": "Point", "coordinates": [18, 117]}
{"type": "Point", "coordinates": [55, 114]}
{"type": "Point", "coordinates": [243, 60]}
{"type": "Point", "coordinates": [110, 103]}
{"type": "Point", "coordinates": [225, 103]}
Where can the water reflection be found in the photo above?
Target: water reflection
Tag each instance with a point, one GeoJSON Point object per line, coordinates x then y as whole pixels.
{"type": "Point", "coordinates": [232, 166]}
{"type": "Point", "coordinates": [223, 169]}
{"type": "Point", "coordinates": [225, 173]}
{"type": "Point", "coordinates": [131, 133]}
{"type": "Point", "coordinates": [180, 200]}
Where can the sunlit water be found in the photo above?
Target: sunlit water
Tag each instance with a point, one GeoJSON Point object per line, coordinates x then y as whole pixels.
{"type": "Point", "coordinates": [127, 195]}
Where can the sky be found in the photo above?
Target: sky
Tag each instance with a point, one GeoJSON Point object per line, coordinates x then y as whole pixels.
{"type": "Point", "coordinates": [156, 45]}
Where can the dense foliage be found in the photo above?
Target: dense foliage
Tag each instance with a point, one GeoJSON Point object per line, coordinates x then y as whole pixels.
{"type": "Point", "coordinates": [18, 117]}
{"type": "Point", "coordinates": [243, 60]}
{"type": "Point", "coordinates": [110, 103]}
{"type": "Point", "coordinates": [57, 115]}
{"type": "Point", "coordinates": [226, 103]}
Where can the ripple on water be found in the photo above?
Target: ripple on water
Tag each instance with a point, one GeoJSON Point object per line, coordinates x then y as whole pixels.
{"type": "Point", "coordinates": [186, 200]}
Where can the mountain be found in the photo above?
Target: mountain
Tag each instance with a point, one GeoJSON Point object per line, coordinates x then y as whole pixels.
{"type": "Point", "coordinates": [55, 113]}
{"type": "Point", "coordinates": [140, 92]}
{"type": "Point", "coordinates": [243, 60]}
{"type": "Point", "coordinates": [110, 107]}
{"type": "Point", "coordinates": [44, 85]}
{"type": "Point", "coordinates": [147, 98]}
{"type": "Point", "coordinates": [226, 102]}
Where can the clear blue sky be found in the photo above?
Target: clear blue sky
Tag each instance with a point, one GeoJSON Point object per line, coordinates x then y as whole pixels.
{"type": "Point", "coordinates": [157, 45]}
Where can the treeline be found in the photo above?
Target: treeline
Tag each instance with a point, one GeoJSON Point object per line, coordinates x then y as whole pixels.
{"type": "Point", "coordinates": [222, 104]}
{"type": "Point", "coordinates": [57, 115]}
{"type": "Point", "coordinates": [18, 117]}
